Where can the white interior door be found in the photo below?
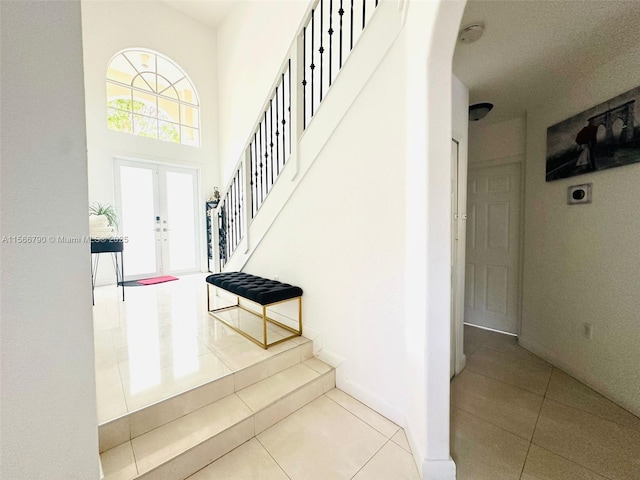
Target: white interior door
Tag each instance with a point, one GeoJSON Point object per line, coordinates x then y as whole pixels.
{"type": "Point", "coordinates": [158, 212]}
{"type": "Point", "coordinates": [492, 247]}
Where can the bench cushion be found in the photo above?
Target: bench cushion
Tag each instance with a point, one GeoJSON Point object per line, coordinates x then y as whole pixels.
{"type": "Point", "coordinates": [258, 289]}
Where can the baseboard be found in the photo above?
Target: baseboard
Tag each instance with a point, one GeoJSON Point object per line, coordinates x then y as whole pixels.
{"type": "Point", "coordinates": [575, 372]}
{"type": "Point", "coordinates": [369, 399]}
{"type": "Point", "coordinates": [439, 469]}
{"type": "Point", "coordinates": [329, 358]}
{"type": "Point", "coordinates": [462, 363]}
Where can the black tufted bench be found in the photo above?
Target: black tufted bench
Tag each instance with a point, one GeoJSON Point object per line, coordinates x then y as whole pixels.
{"type": "Point", "coordinates": [262, 291]}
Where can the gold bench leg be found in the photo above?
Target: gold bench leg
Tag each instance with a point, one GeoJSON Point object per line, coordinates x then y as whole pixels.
{"type": "Point", "coordinates": [265, 319]}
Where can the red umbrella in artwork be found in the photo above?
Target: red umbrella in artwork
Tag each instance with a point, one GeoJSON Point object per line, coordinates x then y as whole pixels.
{"type": "Point", "coordinates": [587, 135]}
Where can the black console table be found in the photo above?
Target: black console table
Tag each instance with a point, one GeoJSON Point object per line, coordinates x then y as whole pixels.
{"type": "Point", "coordinates": [114, 246]}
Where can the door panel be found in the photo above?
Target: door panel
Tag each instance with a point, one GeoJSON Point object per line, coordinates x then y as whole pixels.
{"type": "Point", "coordinates": [180, 242]}
{"type": "Point", "coordinates": [158, 208]}
{"type": "Point", "coordinates": [137, 187]}
{"type": "Point", "coordinates": [492, 251]}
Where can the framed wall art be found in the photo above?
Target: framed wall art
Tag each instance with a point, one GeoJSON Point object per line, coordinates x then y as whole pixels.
{"type": "Point", "coordinates": [604, 136]}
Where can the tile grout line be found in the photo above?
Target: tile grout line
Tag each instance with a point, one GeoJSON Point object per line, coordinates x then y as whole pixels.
{"type": "Point", "coordinates": [594, 414]}
{"type": "Point", "coordinates": [587, 411]}
{"type": "Point", "coordinates": [517, 357]}
{"type": "Point", "coordinates": [521, 357]}
{"type": "Point", "coordinates": [364, 421]}
{"type": "Point", "coordinates": [372, 457]}
{"type": "Point", "coordinates": [536, 424]}
{"type": "Point", "coordinates": [494, 425]}
{"type": "Point", "coordinates": [572, 461]}
{"type": "Point", "coordinates": [269, 453]}
{"type": "Point", "coordinates": [501, 381]}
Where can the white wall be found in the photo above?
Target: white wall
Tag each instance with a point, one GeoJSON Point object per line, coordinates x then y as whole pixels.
{"type": "Point", "coordinates": [252, 45]}
{"type": "Point", "coordinates": [340, 238]}
{"type": "Point", "coordinates": [48, 416]}
{"type": "Point", "coordinates": [109, 27]}
{"type": "Point", "coordinates": [497, 141]}
{"type": "Point", "coordinates": [376, 285]}
{"type": "Point", "coordinates": [581, 262]}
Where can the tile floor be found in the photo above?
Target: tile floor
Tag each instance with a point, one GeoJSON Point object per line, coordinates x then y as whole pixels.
{"type": "Point", "coordinates": [161, 341]}
{"type": "Point", "coordinates": [514, 416]}
{"type": "Point", "coordinates": [334, 437]}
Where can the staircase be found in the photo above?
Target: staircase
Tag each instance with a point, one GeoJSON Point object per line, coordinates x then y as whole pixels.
{"type": "Point", "coordinates": [179, 436]}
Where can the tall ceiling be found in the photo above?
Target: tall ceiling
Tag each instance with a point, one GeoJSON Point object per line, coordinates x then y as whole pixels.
{"type": "Point", "coordinates": [530, 51]}
{"type": "Point", "coordinates": [208, 12]}
{"type": "Point", "coordinates": [533, 49]}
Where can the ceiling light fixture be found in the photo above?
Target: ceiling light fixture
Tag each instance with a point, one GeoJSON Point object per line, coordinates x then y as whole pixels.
{"type": "Point", "coordinates": [471, 33]}
{"type": "Point", "coordinates": [479, 110]}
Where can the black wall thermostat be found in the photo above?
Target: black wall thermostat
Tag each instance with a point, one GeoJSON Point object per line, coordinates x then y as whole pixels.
{"type": "Point", "coordinates": [579, 194]}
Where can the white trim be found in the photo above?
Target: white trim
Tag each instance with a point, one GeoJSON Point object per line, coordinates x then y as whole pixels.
{"type": "Point", "coordinates": [439, 469]}
{"type": "Point", "coordinates": [481, 327]}
{"type": "Point", "coordinates": [498, 162]}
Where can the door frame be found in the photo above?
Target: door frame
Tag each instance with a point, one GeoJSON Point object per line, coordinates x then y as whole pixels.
{"type": "Point", "coordinates": [458, 271]}
{"type": "Point", "coordinates": [201, 252]}
{"type": "Point", "coordinates": [500, 162]}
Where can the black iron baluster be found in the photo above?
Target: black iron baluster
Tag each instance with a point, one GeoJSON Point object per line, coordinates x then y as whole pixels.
{"type": "Point", "coordinates": [312, 55]}
{"type": "Point", "coordinates": [271, 135]}
{"type": "Point", "coordinates": [321, 49]}
{"type": "Point", "coordinates": [330, 31]}
{"type": "Point", "coordinates": [229, 223]}
{"type": "Point", "coordinates": [277, 134]}
{"type": "Point", "coordinates": [266, 155]}
{"type": "Point", "coordinates": [261, 170]}
{"type": "Point", "coordinates": [240, 198]}
{"type": "Point", "coordinates": [255, 184]}
{"type": "Point", "coordinates": [289, 107]}
{"type": "Point", "coordinates": [364, 12]}
{"type": "Point", "coordinates": [251, 178]}
{"type": "Point", "coordinates": [376, 3]}
{"type": "Point", "coordinates": [234, 203]}
{"type": "Point", "coordinates": [351, 22]}
{"type": "Point", "coordinates": [284, 121]}
{"type": "Point", "coordinates": [234, 195]}
{"type": "Point", "coordinates": [304, 82]}
{"type": "Point", "coordinates": [341, 13]}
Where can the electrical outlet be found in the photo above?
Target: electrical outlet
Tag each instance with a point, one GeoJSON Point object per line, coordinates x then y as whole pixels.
{"type": "Point", "coordinates": [587, 331]}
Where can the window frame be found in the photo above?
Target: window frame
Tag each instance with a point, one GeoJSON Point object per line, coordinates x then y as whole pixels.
{"type": "Point", "coordinates": [153, 113]}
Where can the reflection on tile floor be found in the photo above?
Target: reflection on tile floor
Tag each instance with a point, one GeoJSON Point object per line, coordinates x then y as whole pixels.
{"type": "Point", "coordinates": [514, 416]}
{"type": "Point", "coordinates": [161, 341]}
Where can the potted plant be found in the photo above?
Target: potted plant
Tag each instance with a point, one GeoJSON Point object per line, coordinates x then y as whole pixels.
{"type": "Point", "coordinates": [215, 198]}
{"type": "Point", "coordinates": [103, 221]}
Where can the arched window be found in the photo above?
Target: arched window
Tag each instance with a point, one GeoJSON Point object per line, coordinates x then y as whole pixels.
{"type": "Point", "coordinates": [150, 96]}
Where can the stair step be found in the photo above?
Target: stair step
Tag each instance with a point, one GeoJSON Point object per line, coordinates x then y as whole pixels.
{"type": "Point", "coordinates": [122, 429]}
{"type": "Point", "coordinates": [187, 444]}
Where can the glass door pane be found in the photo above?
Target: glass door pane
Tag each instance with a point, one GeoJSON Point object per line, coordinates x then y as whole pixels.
{"type": "Point", "coordinates": [138, 212]}
{"type": "Point", "coordinates": [180, 248]}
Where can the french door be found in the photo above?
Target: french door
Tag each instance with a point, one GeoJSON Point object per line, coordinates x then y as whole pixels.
{"type": "Point", "coordinates": [158, 209]}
